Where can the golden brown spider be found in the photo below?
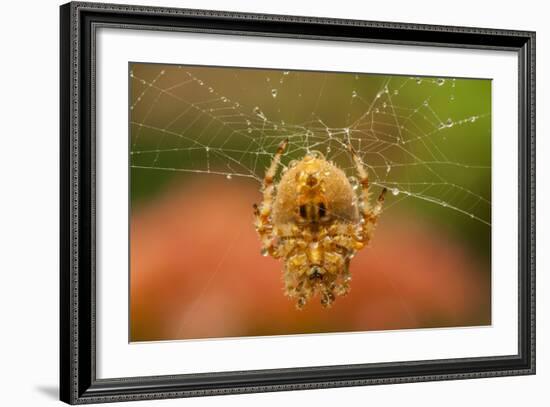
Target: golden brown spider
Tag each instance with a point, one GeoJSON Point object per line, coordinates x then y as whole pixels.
{"type": "Point", "coordinates": [315, 222]}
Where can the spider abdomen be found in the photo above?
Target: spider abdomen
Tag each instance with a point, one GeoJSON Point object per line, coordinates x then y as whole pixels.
{"type": "Point", "coordinates": [312, 191]}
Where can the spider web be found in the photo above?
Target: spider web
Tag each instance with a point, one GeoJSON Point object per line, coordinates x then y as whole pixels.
{"type": "Point", "coordinates": [409, 131]}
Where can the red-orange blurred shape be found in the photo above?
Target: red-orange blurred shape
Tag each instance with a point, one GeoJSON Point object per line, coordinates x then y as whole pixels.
{"type": "Point", "coordinates": [197, 272]}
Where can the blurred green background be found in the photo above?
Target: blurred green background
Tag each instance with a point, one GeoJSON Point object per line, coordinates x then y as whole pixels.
{"type": "Point", "coordinates": [200, 132]}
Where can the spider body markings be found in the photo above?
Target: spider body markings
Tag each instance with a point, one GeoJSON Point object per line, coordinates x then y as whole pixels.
{"type": "Point", "coordinates": [315, 222]}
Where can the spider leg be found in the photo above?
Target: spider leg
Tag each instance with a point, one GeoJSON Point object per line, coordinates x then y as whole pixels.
{"type": "Point", "coordinates": [369, 214]}
{"type": "Point", "coordinates": [262, 212]}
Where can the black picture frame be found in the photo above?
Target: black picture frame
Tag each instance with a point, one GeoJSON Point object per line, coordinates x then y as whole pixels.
{"type": "Point", "coordinates": [78, 382]}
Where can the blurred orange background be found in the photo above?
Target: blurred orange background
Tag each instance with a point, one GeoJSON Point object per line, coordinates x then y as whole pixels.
{"type": "Point", "coordinates": [197, 272]}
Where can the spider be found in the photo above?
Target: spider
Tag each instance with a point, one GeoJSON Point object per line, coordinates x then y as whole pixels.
{"type": "Point", "coordinates": [315, 222]}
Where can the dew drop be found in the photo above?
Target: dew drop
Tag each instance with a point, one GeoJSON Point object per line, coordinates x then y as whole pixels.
{"type": "Point", "coordinates": [258, 112]}
{"type": "Point", "coordinates": [452, 97]}
{"type": "Point", "coordinates": [388, 169]}
{"type": "Point", "coordinates": [264, 252]}
{"type": "Point", "coordinates": [473, 119]}
{"type": "Point", "coordinates": [396, 92]}
{"type": "Point", "coordinates": [211, 90]}
{"type": "Point", "coordinates": [285, 73]}
{"type": "Point", "coordinates": [224, 99]}
{"type": "Point", "coordinates": [228, 176]}
{"type": "Point", "coordinates": [274, 93]}
{"type": "Point", "coordinates": [248, 122]}
{"type": "Point", "coordinates": [384, 105]}
{"type": "Point", "coordinates": [395, 191]}
{"type": "Point", "coordinates": [316, 154]}
{"type": "Point", "coordinates": [440, 82]}
{"type": "Point", "coordinates": [425, 103]}
{"type": "Point", "coordinates": [249, 130]}
{"type": "Point", "coordinates": [207, 149]}
{"type": "Point", "coordinates": [354, 183]}
{"type": "Point", "coordinates": [449, 123]}
{"type": "Point", "coordinates": [471, 215]}
{"type": "Point", "coordinates": [376, 110]}
{"type": "Point", "coordinates": [328, 149]}
{"type": "Point", "coordinates": [354, 94]}
{"type": "Point", "coordinates": [293, 163]}
{"type": "Point", "coordinates": [201, 83]}
{"type": "Point", "coordinates": [418, 81]}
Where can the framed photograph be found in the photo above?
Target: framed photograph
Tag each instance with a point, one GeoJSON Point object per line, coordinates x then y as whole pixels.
{"type": "Point", "coordinates": [254, 203]}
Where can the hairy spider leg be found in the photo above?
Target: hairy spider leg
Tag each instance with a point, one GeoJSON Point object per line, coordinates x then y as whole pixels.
{"type": "Point", "coordinates": [264, 225]}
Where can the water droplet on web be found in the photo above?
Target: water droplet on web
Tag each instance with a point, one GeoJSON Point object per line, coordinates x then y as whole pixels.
{"type": "Point", "coordinates": [274, 93]}
{"type": "Point", "coordinates": [258, 112]}
{"type": "Point", "coordinates": [356, 77]}
{"type": "Point", "coordinates": [264, 252]}
{"type": "Point", "coordinates": [418, 81]}
{"type": "Point", "coordinates": [440, 82]}
{"type": "Point", "coordinates": [228, 176]}
{"type": "Point", "coordinates": [328, 149]}
{"type": "Point", "coordinates": [388, 169]}
{"type": "Point", "coordinates": [142, 81]}
{"type": "Point", "coordinates": [293, 163]}
{"type": "Point", "coordinates": [396, 92]}
{"type": "Point", "coordinates": [286, 73]}
{"type": "Point", "coordinates": [224, 99]}
{"type": "Point", "coordinates": [472, 215]}
{"type": "Point", "coordinates": [249, 130]}
{"type": "Point", "coordinates": [268, 79]}
{"type": "Point", "coordinates": [384, 105]}
{"type": "Point", "coordinates": [376, 110]}
{"type": "Point", "coordinates": [316, 154]}
{"type": "Point", "coordinates": [452, 97]}
{"type": "Point", "coordinates": [354, 182]}
{"type": "Point", "coordinates": [162, 72]}
{"type": "Point", "coordinates": [395, 191]}
{"type": "Point", "coordinates": [201, 83]}
{"type": "Point", "coordinates": [207, 149]}
{"type": "Point", "coordinates": [449, 123]}
{"type": "Point", "coordinates": [453, 83]}
{"type": "Point", "coordinates": [473, 119]}
{"type": "Point", "coordinates": [211, 90]}
{"type": "Point", "coordinates": [248, 122]}
{"type": "Point", "coordinates": [354, 94]}
{"type": "Point", "coordinates": [425, 103]}
{"type": "Point", "coordinates": [236, 104]}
